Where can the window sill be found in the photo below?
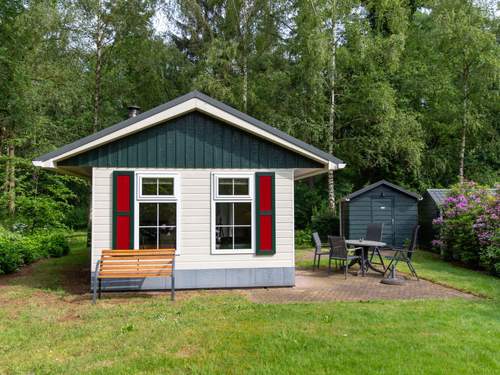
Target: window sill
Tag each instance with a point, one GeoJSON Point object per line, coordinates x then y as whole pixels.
{"type": "Point", "coordinates": [232, 252]}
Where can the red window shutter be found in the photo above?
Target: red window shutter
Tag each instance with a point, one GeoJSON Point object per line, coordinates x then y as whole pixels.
{"type": "Point", "coordinates": [265, 213]}
{"type": "Point", "coordinates": [123, 210]}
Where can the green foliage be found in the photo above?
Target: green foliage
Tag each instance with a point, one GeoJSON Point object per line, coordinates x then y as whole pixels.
{"type": "Point", "coordinates": [56, 244]}
{"type": "Point", "coordinates": [303, 238]}
{"type": "Point", "coordinates": [10, 256]}
{"type": "Point", "coordinates": [17, 250]}
{"type": "Point", "coordinates": [325, 223]}
{"type": "Point", "coordinates": [469, 229]}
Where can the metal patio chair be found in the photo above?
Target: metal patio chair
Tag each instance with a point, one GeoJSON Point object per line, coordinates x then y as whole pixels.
{"type": "Point", "coordinates": [340, 252]}
{"type": "Point", "coordinates": [318, 251]}
{"type": "Point", "coordinates": [405, 255]}
{"type": "Point", "coordinates": [374, 233]}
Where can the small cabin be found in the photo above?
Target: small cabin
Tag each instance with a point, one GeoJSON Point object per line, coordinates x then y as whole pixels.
{"type": "Point", "coordinates": [202, 178]}
{"type": "Point", "coordinates": [381, 202]}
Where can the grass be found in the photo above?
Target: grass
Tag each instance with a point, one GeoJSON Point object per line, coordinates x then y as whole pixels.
{"type": "Point", "coordinates": [48, 327]}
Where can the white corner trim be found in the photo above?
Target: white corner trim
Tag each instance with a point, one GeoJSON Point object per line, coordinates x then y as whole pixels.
{"type": "Point", "coordinates": [178, 110]}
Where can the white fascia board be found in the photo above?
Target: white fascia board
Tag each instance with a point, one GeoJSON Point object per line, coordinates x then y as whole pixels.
{"type": "Point", "coordinates": [44, 164]}
{"type": "Point", "coordinates": [178, 110]}
{"type": "Point", "coordinates": [239, 123]}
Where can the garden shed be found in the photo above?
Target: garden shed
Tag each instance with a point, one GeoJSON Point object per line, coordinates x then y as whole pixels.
{"type": "Point", "coordinates": [201, 178]}
{"type": "Point", "coordinates": [381, 202]}
{"type": "Point", "coordinates": [429, 208]}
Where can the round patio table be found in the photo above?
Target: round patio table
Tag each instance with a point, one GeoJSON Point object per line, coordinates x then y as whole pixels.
{"type": "Point", "coordinates": [365, 244]}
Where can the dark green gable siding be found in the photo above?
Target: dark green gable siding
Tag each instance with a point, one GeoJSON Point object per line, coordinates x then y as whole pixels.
{"type": "Point", "coordinates": [194, 140]}
{"type": "Point", "coordinates": [361, 211]}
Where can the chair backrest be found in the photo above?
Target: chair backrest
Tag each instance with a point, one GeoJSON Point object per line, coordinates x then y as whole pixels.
{"type": "Point", "coordinates": [317, 242]}
{"type": "Point", "coordinates": [338, 247]}
{"type": "Point", "coordinates": [413, 243]}
{"type": "Point", "coordinates": [374, 232]}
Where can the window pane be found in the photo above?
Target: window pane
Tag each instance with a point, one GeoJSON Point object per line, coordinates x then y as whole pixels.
{"type": "Point", "coordinates": [149, 186]}
{"type": "Point", "coordinates": [166, 186]}
{"type": "Point", "coordinates": [241, 186]}
{"type": "Point", "coordinates": [223, 237]}
{"type": "Point", "coordinates": [224, 213]}
{"type": "Point", "coordinates": [147, 238]}
{"type": "Point", "coordinates": [167, 214]}
{"type": "Point", "coordinates": [147, 214]}
{"type": "Point", "coordinates": [167, 238]}
{"type": "Point", "coordinates": [225, 186]}
{"type": "Point", "coordinates": [242, 238]}
{"type": "Point", "coordinates": [242, 213]}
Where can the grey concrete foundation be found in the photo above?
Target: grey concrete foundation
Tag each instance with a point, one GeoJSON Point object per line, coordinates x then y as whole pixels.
{"type": "Point", "coordinates": [206, 279]}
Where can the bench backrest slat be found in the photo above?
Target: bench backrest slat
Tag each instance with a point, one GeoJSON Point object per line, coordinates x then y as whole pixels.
{"type": "Point", "coordinates": [136, 263]}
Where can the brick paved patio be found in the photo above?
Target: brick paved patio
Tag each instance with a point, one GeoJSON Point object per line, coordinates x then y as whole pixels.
{"type": "Point", "coordinates": [320, 286]}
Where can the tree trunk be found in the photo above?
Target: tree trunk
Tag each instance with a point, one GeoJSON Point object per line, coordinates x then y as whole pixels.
{"type": "Point", "coordinates": [245, 83]}
{"type": "Point", "coordinates": [244, 35]}
{"type": "Point", "coordinates": [464, 125]}
{"type": "Point", "coordinates": [11, 180]}
{"type": "Point", "coordinates": [331, 142]}
{"type": "Point", "coordinates": [98, 66]}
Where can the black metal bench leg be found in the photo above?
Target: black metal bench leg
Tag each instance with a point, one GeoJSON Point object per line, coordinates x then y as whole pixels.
{"type": "Point", "coordinates": [100, 287]}
{"type": "Point", "coordinates": [94, 290]}
{"type": "Point", "coordinates": [172, 289]}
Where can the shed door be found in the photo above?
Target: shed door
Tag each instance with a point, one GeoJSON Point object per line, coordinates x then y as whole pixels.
{"type": "Point", "coordinates": [383, 212]}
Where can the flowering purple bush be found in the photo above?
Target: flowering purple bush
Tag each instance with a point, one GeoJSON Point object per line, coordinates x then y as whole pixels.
{"type": "Point", "coordinates": [469, 229]}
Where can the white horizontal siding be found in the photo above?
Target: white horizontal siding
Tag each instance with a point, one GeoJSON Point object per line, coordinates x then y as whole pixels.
{"type": "Point", "coordinates": [194, 238]}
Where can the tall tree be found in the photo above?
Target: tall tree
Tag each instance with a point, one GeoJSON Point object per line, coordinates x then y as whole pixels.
{"type": "Point", "coordinates": [470, 53]}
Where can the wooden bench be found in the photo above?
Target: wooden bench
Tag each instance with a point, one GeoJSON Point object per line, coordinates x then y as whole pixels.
{"type": "Point", "coordinates": [127, 264]}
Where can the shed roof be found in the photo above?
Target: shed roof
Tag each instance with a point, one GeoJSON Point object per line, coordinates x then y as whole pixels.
{"type": "Point", "coordinates": [192, 101]}
{"type": "Point", "coordinates": [381, 183]}
{"type": "Point", "coordinates": [439, 195]}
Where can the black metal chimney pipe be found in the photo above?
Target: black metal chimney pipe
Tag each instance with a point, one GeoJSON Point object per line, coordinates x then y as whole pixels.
{"type": "Point", "coordinates": [133, 110]}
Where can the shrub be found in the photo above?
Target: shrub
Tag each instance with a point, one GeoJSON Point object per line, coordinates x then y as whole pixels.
{"type": "Point", "coordinates": [57, 245]}
{"type": "Point", "coordinates": [469, 228]}
{"type": "Point", "coordinates": [325, 223]}
{"type": "Point", "coordinates": [17, 250]}
{"type": "Point", "coordinates": [10, 257]}
{"type": "Point", "coordinates": [303, 238]}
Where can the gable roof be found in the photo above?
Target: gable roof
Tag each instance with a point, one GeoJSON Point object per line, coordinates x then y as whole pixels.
{"type": "Point", "coordinates": [187, 103]}
{"type": "Point", "coordinates": [377, 184]}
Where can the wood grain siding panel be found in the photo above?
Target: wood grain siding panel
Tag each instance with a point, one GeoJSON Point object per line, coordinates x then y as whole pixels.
{"type": "Point", "coordinates": [194, 140]}
{"type": "Point", "coordinates": [194, 221]}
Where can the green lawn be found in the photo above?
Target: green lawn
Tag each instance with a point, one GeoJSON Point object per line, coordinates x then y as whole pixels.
{"type": "Point", "coordinates": [47, 328]}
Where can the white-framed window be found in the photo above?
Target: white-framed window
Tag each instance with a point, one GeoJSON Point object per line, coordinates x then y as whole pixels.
{"type": "Point", "coordinates": [232, 213]}
{"type": "Point", "coordinates": [157, 186]}
{"type": "Point", "coordinates": [157, 211]}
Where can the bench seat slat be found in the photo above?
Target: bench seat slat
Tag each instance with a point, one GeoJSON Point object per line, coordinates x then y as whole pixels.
{"type": "Point", "coordinates": [132, 267]}
{"type": "Point", "coordinates": [133, 275]}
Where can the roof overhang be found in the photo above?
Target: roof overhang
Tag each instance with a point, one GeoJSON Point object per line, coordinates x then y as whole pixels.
{"type": "Point", "coordinates": [194, 101]}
